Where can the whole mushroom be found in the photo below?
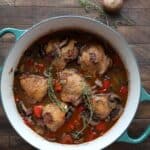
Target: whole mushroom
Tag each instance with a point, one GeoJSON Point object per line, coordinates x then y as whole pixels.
{"type": "Point", "coordinates": [112, 6]}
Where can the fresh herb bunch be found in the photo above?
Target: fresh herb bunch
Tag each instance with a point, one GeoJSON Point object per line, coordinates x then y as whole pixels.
{"type": "Point", "coordinates": [106, 18]}
{"type": "Point", "coordinates": [51, 92]}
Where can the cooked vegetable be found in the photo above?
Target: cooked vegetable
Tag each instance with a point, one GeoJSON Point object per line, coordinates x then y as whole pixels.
{"type": "Point", "coordinates": [101, 127]}
{"type": "Point", "coordinates": [123, 90]}
{"type": "Point", "coordinates": [66, 139]}
{"type": "Point", "coordinates": [70, 87]}
{"type": "Point", "coordinates": [58, 86]}
{"type": "Point", "coordinates": [37, 110]}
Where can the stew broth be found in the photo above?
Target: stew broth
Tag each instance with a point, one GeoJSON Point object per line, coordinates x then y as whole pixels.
{"type": "Point", "coordinates": [36, 60]}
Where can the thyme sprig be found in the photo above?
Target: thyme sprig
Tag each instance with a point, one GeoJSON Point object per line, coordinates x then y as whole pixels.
{"type": "Point", "coordinates": [114, 20]}
{"type": "Point", "coordinates": [77, 134]}
{"type": "Point", "coordinates": [86, 95]}
{"type": "Point", "coordinates": [51, 92]}
{"type": "Point", "coordinates": [87, 5]}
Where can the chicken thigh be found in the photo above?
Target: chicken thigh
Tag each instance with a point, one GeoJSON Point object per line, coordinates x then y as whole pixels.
{"type": "Point", "coordinates": [53, 117]}
{"type": "Point", "coordinates": [35, 86]}
{"type": "Point", "coordinates": [73, 85]}
{"type": "Point", "coordinates": [93, 60]}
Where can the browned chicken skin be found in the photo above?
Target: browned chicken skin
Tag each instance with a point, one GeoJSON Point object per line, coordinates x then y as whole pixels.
{"type": "Point", "coordinates": [72, 87]}
{"type": "Point", "coordinates": [66, 51]}
{"type": "Point", "coordinates": [53, 117]}
{"type": "Point", "coordinates": [105, 105]}
{"type": "Point", "coordinates": [101, 106]}
{"type": "Point", "coordinates": [35, 86]}
{"type": "Point", "coordinates": [93, 60]}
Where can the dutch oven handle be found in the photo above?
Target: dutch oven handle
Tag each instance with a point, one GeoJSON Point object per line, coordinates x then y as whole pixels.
{"type": "Point", "coordinates": [125, 137]}
{"type": "Point", "coordinates": [16, 32]}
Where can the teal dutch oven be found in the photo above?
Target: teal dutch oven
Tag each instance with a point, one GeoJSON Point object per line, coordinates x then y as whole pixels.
{"type": "Point", "coordinates": [24, 38]}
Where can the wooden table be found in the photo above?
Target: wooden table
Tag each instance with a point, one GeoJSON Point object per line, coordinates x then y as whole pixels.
{"type": "Point", "coordinates": [25, 13]}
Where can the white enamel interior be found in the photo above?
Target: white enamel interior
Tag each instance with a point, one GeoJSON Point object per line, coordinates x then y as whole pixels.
{"type": "Point", "coordinates": [49, 26]}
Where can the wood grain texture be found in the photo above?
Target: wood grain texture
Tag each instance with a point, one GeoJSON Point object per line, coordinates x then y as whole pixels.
{"type": "Point", "coordinates": [75, 3]}
{"type": "Point", "coordinates": [30, 15]}
{"type": "Point", "coordinates": [24, 13]}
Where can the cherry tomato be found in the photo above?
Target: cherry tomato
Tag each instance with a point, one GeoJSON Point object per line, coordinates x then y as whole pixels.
{"type": "Point", "coordinates": [71, 126]}
{"type": "Point", "coordinates": [105, 87]}
{"type": "Point", "coordinates": [90, 135]}
{"type": "Point", "coordinates": [37, 110]}
{"type": "Point", "coordinates": [106, 84]}
{"type": "Point", "coordinates": [66, 139]}
{"type": "Point", "coordinates": [101, 127]}
{"type": "Point", "coordinates": [123, 90]}
{"type": "Point", "coordinates": [40, 67]}
{"type": "Point", "coordinates": [58, 86]}
{"type": "Point", "coordinates": [102, 90]}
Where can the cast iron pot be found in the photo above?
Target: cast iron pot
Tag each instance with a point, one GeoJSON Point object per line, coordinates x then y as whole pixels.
{"type": "Point", "coordinates": [24, 38]}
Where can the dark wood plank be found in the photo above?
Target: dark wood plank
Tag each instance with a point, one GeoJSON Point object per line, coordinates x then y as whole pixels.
{"type": "Point", "coordinates": [52, 3]}
{"type": "Point", "coordinates": [137, 4]}
{"type": "Point", "coordinates": [7, 2]}
{"type": "Point", "coordinates": [143, 111]}
{"type": "Point", "coordinates": [17, 143]}
{"type": "Point", "coordinates": [141, 52]}
{"type": "Point", "coordinates": [135, 34]}
{"type": "Point", "coordinates": [74, 3]}
{"type": "Point", "coordinates": [32, 15]}
{"type": "Point", "coordinates": [4, 143]}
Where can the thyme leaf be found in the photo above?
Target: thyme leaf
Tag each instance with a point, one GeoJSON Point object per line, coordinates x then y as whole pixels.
{"type": "Point", "coordinates": [51, 92]}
